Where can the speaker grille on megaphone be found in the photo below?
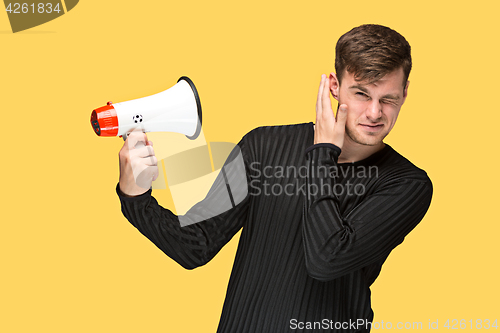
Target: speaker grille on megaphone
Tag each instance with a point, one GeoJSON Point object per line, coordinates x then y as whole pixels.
{"type": "Point", "coordinates": [177, 109]}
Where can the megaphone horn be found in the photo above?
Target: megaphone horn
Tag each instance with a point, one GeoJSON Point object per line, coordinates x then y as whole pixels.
{"type": "Point", "coordinates": [177, 109]}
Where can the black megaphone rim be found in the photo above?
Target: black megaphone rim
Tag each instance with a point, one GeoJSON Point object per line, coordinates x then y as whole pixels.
{"type": "Point", "coordinates": [198, 105]}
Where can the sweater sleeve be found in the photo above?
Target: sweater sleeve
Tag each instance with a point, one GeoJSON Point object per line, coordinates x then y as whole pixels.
{"type": "Point", "coordinates": [337, 244]}
{"type": "Point", "coordinates": [194, 244]}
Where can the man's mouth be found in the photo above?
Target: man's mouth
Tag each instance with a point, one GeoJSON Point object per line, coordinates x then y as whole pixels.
{"type": "Point", "coordinates": [372, 127]}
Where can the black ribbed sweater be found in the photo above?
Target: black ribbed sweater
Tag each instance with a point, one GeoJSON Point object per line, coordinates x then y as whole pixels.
{"type": "Point", "coordinates": [309, 251]}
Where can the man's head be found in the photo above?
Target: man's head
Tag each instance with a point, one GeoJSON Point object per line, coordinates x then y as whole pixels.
{"type": "Point", "coordinates": [373, 63]}
{"type": "Point", "coordinates": [370, 52]}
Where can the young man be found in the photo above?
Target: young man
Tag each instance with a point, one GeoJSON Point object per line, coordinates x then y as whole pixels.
{"type": "Point", "coordinates": [326, 202]}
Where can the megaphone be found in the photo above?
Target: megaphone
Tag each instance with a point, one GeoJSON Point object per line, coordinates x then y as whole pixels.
{"type": "Point", "coordinates": [177, 109]}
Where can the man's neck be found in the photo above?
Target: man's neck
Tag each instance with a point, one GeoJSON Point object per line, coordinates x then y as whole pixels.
{"type": "Point", "coordinates": [353, 152]}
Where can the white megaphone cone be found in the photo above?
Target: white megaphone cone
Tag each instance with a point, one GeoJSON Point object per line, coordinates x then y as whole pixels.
{"type": "Point", "coordinates": [177, 109]}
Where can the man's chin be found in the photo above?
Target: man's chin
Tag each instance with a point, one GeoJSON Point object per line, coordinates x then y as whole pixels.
{"type": "Point", "coordinates": [366, 139]}
{"type": "Point", "coordinates": [369, 143]}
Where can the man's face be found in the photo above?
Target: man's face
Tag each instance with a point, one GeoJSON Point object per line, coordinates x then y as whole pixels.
{"type": "Point", "coordinates": [372, 109]}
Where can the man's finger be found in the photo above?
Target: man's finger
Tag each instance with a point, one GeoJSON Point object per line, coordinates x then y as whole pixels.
{"type": "Point", "coordinates": [151, 161]}
{"type": "Point", "coordinates": [341, 116]}
{"type": "Point", "coordinates": [144, 151]}
{"type": "Point", "coordinates": [326, 103]}
{"type": "Point", "coordinates": [319, 106]}
{"type": "Point", "coordinates": [135, 137]}
{"type": "Point", "coordinates": [145, 177]}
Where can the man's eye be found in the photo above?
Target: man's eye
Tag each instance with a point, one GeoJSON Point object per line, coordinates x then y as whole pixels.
{"type": "Point", "coordinates": [361, 94]}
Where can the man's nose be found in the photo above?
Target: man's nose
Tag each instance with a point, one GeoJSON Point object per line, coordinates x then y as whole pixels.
{"type": "Point", "coordinates": [374, 110]}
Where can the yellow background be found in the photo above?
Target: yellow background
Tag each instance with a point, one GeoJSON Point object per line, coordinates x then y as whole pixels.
{"type": "Point", "coordinates": [70, 262]}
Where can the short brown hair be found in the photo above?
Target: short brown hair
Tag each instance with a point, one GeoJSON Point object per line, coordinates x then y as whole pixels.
{"type": "Point", "coordinates": [370, 52]}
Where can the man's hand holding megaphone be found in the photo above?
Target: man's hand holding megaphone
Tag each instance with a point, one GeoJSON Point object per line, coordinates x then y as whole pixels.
{"type": "Point", "coordinates": [138, 164]}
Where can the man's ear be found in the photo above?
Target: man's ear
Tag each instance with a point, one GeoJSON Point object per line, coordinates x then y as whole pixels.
{"type": "Point", "coordinates": [405, 91]}
{"type": "Point", "coordinates": [334, 86]}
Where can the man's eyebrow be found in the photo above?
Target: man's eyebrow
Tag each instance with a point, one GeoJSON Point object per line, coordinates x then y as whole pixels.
{"type": "Point", "coordinates": [363, 89]}
{"type": "Point", "coordinates": [357, 86]}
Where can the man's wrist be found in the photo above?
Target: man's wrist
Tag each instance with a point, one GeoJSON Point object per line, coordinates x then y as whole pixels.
{"type": "Point", "coordinates": [125, 195]}
{"type": "Point", "coordinates": [324, 144]}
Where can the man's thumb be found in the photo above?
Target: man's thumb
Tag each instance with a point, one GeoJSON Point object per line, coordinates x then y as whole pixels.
{"type": "Point", "coordinates": [342, 114]}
